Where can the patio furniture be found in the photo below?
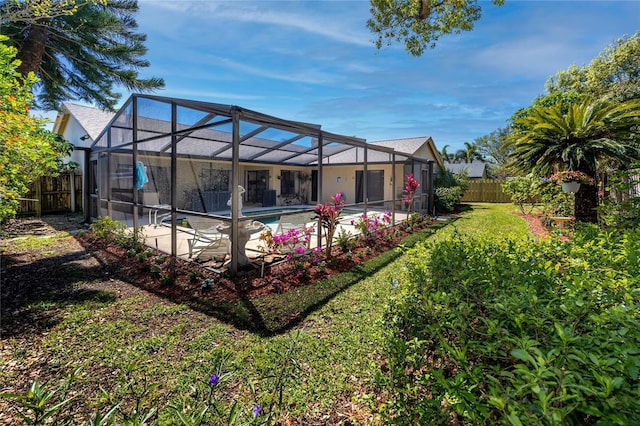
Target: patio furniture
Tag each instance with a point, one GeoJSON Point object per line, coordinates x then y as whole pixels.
{"type": "Point", "coordinates": [153, 199]}
{"type": "Point", "coordinates": [296, 220]}
{"type": "Point", "coordinates": [207, 240]}
{"type": "Point", "coordinates": [246, 229]}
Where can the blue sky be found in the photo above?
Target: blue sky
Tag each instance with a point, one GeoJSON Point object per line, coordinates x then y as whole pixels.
{"type": "Point", "coordinates": [314, 61]}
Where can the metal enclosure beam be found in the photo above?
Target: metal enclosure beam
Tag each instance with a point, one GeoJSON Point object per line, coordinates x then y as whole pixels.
{"type": "Point", "coordinates": [235, 194]}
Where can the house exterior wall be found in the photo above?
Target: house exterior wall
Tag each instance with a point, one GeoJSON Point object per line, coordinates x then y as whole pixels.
{"type": "Point", "coordinates": [191, 181]}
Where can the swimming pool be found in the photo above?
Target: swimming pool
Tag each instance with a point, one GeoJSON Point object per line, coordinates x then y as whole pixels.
{"type": "Point", "coordinates": [273, 214]}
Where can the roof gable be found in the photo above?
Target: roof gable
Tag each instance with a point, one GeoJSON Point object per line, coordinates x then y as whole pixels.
{"type": "Point", "coordinates": [92, 120]}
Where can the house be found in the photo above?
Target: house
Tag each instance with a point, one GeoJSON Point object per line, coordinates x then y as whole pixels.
{"type": "Point", "coordinates": [473, 170]}
{"type": "Point", "coordinates": [80, 125]}
{"type": "Point", "coordinates": [265, 183]}
{"type": "Point", "coordinates": [192, 159]}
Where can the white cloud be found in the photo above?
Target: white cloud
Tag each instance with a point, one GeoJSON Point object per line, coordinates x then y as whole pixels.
{"type": "Point", "coordinates": [345, 28]}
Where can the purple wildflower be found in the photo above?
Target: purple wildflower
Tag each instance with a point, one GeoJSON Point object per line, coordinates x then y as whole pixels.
{"type": "Point", "coordinates": [214, 379]}
{"type": "Point", "coordinates": [257, 410]}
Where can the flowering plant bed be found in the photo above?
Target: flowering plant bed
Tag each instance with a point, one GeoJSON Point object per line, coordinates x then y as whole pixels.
{"type": "Point", "coordinates": [257, 299]}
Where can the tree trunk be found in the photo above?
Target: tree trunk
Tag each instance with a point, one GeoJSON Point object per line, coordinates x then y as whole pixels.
{"type": "Point", "coordinates": [586, 201]}
{"type": "Point", "coordinates": [31, 50]}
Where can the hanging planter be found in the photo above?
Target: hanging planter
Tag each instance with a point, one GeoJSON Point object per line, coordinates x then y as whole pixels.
{"type": "Point", "coordinates": [572, 186]}
{"type": "Point", "coordinates": [570, 180]}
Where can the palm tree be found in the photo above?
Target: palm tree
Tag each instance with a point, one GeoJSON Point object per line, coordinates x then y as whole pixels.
{"type": "Point", "coordinates": [471, 152]}
{"type": "Point", "coordinates": [83, 55]}
{"type": "Point", "coordinates": [444, 154]}
{"type": "Point", "coordinates": [459, 156]}
{"type": "Point", "coordinates": [590, 131]}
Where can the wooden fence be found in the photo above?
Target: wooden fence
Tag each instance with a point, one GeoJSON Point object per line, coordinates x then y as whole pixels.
{"type": "Point", "coordinates": [52, 195]}
{"type": "Point", "coordinates": [486, 191]}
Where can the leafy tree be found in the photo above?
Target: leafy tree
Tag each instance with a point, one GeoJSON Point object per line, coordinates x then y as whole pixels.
{"type": "Point", "coordinates": [563, 99]}
{"type": "Point", "coordinates": [494, 148]}
{"type": "Point", "coordinates": [34, 10]}
{"type": "Point", "coordinates": [27, 150]}
{"type": "Point", "coordinates": [548, 139]}
{"type": "Point", "coordinates": [420, 23]}
{"type": "Point", "coordinates": [83, 55]}
{"type": "Point", "coordinates": [614, 73]}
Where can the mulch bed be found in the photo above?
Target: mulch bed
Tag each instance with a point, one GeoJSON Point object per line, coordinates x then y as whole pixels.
{"type": "Point", "coordinates": [254, 282]}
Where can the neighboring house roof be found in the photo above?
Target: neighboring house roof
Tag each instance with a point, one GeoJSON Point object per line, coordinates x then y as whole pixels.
{"type": "Point", "coordinates": [420, 147]}
{"type": "Point", "coordinates": [412, 146]}
{"type": "Point", "coordinates": [473, 170]}
{"type": "Point", "coordinates": [92, 120]}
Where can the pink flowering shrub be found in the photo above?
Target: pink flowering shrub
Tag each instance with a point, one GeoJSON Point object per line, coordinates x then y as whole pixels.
{"type": "Point", "coordinates": [372, 226]}
{"type": "Point", "coordinates": [329, 216]}
{"type": "Point", "coordinates": [410, 189]}
{"type": "Point", "coordinates": [293, 241]}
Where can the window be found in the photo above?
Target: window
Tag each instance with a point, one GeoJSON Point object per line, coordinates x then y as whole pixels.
{"type": "Point", "coordinates": [215, 179]}
{"type": "Point", "coordinates": [375, 185]}
{"type": "Point", "coordinates": [288, 182]}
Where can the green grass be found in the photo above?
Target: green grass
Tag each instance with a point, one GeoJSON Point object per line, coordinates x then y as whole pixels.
{"type": "Point", "coordinates": [37, 242]}
{"type": "Point", "coordinates": [485, 218]}
{"type": "Point", "coordinates": [335, 330]}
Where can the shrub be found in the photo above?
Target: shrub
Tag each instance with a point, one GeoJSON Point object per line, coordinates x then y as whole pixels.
{"type": "Point", "coordinates": [116, 232]}
{"type": "Point", "coordinates": [447, 198]}
{"type": "Point", "coordinates": [328, 214]}
{"type": "Point", "coordinates": [345, 240]}
{"type": "Point", "coordinates": [292, 241]}
{"type": "Point", "coordinates": [524, 192]}
{"type": "Point", "coordinates": [622, 207]}
{"type": "Point", "coordinates": [555, 202]}
{"type": "Point", "coordinates": [373, 225]}
{"type": "Point", "coordinates": [513, 332]}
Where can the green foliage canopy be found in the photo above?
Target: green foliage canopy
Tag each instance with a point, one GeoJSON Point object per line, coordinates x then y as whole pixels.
{"type": "Point", "coordinates": [34, 10]}
{"type": "Point", "coordinates": [83, 55]}
{"type": "Point", "coordinates": [420, 23]}
{"type": "Point", "coordinates": [27, 150]}
{"type": "Point", "coordinates": [548, 138]}
{"type": "Point", "coordinates": [614, 73]}
{"type": "Point", "coordinates": [506, 331]}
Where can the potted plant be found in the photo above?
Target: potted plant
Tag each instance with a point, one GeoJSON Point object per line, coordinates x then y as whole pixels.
{"type": "Point", "coordinates": [571, 180]}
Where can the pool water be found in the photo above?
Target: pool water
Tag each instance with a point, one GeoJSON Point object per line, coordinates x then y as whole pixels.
{"type": "Point", "coordinates": [274, 219]}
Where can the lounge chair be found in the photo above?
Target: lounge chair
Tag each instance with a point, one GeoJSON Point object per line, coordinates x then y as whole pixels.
{"type": "Point", "coordinates": [152, 199]}
{"type": "Point", "coordinates": [296, 221]}
{"type": "Point", "coordinates": [207, 241]}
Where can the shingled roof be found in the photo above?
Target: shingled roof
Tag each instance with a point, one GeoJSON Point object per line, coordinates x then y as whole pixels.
{"type": "Point", "coordinates": [93, 120]}
{"type": "Point", "coordinates": [473, 170]}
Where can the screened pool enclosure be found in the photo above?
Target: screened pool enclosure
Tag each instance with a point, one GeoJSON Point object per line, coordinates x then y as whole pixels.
{"type": "Point", "coordinates": [175, 167]}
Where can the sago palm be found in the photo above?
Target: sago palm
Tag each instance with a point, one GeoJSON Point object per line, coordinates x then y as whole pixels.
{"type": "Point", "coordinates": [590, 131]}
{"type": "Point", "coordinates": [84, 55]}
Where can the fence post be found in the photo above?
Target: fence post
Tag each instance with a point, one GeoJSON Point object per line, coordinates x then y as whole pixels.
{"type": "Point", "coordinates": [38, 197]}
{"type": "Point", "coordinates": [72, 189]}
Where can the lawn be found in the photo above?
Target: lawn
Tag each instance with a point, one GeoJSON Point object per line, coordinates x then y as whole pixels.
{"type": "Point", "coordinates": [148, 352]}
